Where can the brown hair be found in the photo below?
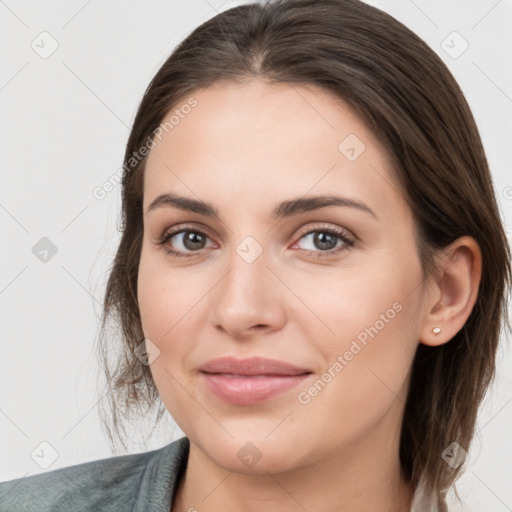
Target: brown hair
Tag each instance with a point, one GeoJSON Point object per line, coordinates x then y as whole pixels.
{"type": "Point", "coordinates": [408, 97]}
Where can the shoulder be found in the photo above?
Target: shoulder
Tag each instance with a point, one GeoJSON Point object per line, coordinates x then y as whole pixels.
{"type": "Point", "coordinates": [125, 482]}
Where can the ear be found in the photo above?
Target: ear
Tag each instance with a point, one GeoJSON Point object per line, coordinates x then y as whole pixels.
{"type": "Point", "coordinates": [453, 292]}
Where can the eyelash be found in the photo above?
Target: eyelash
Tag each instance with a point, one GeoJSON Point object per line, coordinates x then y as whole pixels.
{"type": "Point", "coordinates": [348, 241]}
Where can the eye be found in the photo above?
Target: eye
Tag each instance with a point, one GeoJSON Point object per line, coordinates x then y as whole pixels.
{"type": "Point", "coordinates": [192, 240]}
{"type": "Point", "coordinates": [325, 239]}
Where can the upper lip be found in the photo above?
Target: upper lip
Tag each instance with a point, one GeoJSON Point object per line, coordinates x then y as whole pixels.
{"type": "Point", "coordinates": [251, 366]}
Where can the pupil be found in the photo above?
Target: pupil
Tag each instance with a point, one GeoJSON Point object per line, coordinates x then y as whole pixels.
{"type": "Point", "coordinates": [192, 238]}
{"type": "Point", "coordinates": [320, 240]}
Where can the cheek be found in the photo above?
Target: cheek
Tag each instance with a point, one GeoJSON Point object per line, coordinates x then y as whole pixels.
{"type": "Point", "coordinates": [369, 319]}
{"type": "Point", "coordinates": [162, 299]}
{"type": "Point", "coordinates": [366, 365]}
{"type": "Point", "coordinates": [375, 298]}
{"type": "Point", "coordinates": [173, 305]}
{"type": "Point", "coordinates": [167, 316]}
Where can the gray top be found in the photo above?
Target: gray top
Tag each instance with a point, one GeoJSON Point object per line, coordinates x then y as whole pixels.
{"type": "Point", "coordinates": [143, 482]}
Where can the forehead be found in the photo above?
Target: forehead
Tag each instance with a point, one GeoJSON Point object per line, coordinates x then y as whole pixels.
{"type": "Point", "coordinates": [265, 141]}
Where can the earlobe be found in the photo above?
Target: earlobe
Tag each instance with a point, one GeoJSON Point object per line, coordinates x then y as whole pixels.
{"type": "Point", "coordinates": [454, 291]}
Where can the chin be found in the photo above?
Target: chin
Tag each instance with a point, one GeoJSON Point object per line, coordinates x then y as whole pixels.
{"type": "Point", "coordinates": [254, 454]}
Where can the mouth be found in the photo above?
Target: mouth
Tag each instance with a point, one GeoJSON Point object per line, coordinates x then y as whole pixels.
{"type": "Point", "coordinates": [250, 381]}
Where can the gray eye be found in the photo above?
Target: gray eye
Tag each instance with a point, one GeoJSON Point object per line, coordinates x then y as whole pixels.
{"type": "Point", "coordinates": [321, 240]}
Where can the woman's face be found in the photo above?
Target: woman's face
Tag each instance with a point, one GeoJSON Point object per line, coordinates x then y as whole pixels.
{"type": "Point", "coordinates": [335, 291]}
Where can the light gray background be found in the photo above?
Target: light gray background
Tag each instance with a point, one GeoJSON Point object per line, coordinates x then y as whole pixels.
{"type": "Point", "coordinates": [64, 125]}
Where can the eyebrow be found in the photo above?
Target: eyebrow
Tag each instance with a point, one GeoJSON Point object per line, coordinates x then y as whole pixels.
{"type": "Point", "coordinates": [282, 210]}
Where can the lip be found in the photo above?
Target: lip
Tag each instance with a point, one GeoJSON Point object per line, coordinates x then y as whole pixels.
{"type": "Point", "coordinates": [252, 366]}
{"type": "Point", "coordinates": [250, 381]}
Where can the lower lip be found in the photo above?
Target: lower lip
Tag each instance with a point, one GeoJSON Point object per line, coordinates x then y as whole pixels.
{"type": "Point", "coordinates": [249, 390]}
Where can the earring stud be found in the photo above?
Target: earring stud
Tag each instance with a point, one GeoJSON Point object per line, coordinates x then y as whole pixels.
{"type": "Point", "coordinates": [436, 330]}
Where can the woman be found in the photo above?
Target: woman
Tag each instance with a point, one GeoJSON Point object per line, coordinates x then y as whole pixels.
{"type": "Point", "coordinates": [311, 275]}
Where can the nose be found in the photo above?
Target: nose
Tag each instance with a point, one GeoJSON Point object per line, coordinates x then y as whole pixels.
{"type": "Point", "coordinates": [249, 299]}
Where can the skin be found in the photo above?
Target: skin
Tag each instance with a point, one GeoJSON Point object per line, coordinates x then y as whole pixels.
{"type": "Point", "coordinates": [244, 149]}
